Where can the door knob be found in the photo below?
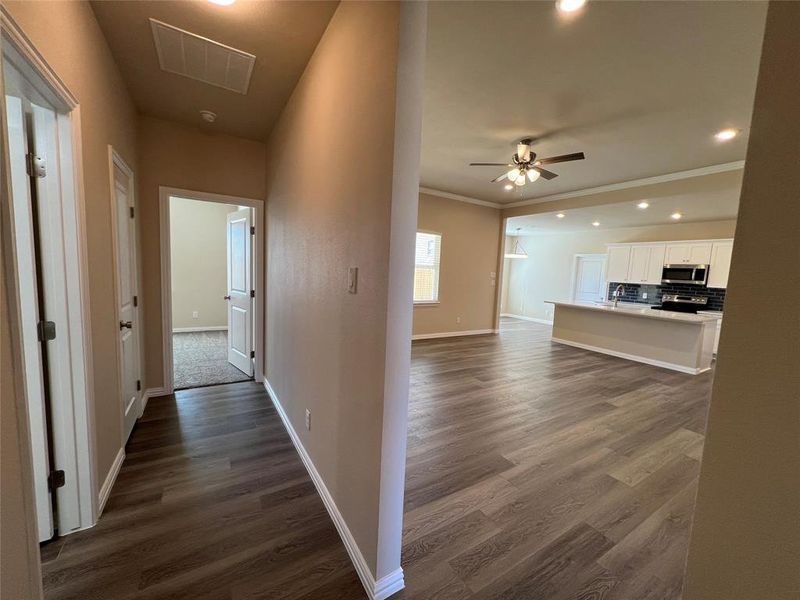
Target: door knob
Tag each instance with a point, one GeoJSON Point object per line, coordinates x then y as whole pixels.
{"type": "Point", "coordinates": [226, 297]}
{"type": "Point", "coordinates": [125, 325]}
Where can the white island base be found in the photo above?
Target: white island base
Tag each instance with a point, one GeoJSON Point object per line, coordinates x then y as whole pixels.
{"type": "Point", "coordinates": [678, 341]}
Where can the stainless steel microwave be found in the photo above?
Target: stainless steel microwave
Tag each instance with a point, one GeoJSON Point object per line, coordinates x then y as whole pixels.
{"type": "Point", "coordinates": [682, 273]}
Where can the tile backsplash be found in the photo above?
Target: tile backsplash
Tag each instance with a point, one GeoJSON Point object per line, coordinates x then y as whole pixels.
{"type": "Point", "coordinates": [633, 293]}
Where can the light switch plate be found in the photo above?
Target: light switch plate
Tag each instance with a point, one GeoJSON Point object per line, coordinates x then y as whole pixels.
{"type": "Point", "coordinates": [352, 280]}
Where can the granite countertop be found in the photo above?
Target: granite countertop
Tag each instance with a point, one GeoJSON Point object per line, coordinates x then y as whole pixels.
{"type": "Point", "coordinates": [640, 311]}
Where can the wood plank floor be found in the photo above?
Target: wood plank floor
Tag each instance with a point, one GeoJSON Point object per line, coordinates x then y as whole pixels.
{"type": "Point", "coordinates": [541, 471]}
{"type": "Point", "coordinates": [534, 471]}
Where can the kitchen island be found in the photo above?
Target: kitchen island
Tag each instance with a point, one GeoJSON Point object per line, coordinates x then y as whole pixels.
{"type": "Point", "coordinates": [672, 340]}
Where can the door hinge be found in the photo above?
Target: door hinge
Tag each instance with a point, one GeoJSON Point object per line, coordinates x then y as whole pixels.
{"type": "Point", "coordinates": [132, 212]}
{"type": "Point", "coordinates": [35, 165]}
{"type": "Point", "coordinates": [46, 331]}
{"type": "Point", "coordinates": [252, 353]}
{"type": "Point", "coordinates": [55, 480]}
{"type": "Point", "coordinates": [136, 300]}
{"type": "Point", "coordinates": [138, 385]}
{"type": "Point", "coordinates": [252, 230]}
{"type": "Point", "coordinates": [252, 293]}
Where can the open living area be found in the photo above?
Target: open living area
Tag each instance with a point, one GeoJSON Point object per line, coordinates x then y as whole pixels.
{"type": "Point", "coordinates": [414, 300]}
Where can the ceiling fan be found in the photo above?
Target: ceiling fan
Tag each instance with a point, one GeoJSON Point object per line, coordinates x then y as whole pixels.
{"type": "Point", "coordinates": [526, 167]}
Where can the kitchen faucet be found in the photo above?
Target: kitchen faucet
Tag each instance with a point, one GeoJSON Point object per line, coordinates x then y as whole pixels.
{"type": "Point", "coordinates": [620, 290]}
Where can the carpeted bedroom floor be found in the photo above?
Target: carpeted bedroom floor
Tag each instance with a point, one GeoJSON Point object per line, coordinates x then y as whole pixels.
{"type": "Point", "coordinates": [201, 358]}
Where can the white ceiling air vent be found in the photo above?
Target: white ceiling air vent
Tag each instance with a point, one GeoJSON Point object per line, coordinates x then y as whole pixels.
{"type": "Point", "coordinates": [202, 59]}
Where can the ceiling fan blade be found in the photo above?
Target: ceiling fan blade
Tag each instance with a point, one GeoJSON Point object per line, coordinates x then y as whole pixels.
{"type": "Point", "coordinates": [500, 178]}
{"type": "Point", "coordinates": [490, 165]}
{"type": "Point", "coordinates": [545, 173]}
{"type": "Point", "coordinates": [560, 159]}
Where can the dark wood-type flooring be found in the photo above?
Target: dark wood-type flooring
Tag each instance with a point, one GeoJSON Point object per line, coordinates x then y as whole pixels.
{"type": "Point", "coordinates": [535, 471]}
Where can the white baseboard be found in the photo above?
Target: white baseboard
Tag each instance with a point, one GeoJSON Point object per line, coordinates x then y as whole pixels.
{"type": "Point", "coordinates": [105, 491]}
{"type": "Point", "coordinates": [152, 393]}
{"type": "Point", "coordinates": [195, 329]}
{"type": "Point", "coordinates": [633, 357]}
{"type": "Point", "coordinates": [448, 334]}
{"type": "Point", "coordinates": [376, 590]}
{"type": "Point", "coordinates": [532, 319]}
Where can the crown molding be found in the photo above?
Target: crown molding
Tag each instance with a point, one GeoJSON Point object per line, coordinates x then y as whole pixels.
{"type": "Point", "coordinates": [722, 168]}
{"type": "Point", "coordinates": [467, 199]}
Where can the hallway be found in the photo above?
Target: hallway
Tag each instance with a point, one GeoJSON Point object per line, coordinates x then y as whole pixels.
{"type": "Point", "coordinates": [201, 358]}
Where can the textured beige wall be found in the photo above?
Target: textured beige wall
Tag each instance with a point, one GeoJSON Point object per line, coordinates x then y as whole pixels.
{"type": "Point", "coordinates": [69, 38]}
{"type": "Point", "coordinates": [746, 535]}
{"type": "Point", "coordinates": [198, 239]}
{"type": "Point", "coordinates": [547, 272]}
{"type": "Point", "coordinates": [470, 238]}
{"type": "Point", "coordinates": [184, 157]}
{"type": "Point", "coordinates": [325, 347]}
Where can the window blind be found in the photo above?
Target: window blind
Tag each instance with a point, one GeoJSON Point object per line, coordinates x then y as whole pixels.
{"type": "Point", "coordinates": [426, 267]}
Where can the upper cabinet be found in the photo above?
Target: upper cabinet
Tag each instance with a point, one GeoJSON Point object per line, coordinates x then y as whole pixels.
{"type": "Point", "coordinates": [618, 263]}
{"type": "Point", "coordinates": [690, 253]}
{"type": "Point", "coordinates": [646, 264]}
{"type": "Point", "coordinates": [720, 264]}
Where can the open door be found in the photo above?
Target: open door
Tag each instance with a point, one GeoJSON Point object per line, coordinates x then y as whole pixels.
{"type": "Point", "coordinates": [240, 295]}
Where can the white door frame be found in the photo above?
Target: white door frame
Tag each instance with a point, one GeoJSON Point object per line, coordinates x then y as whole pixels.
{"type": "Point", "coordinates": [572, 286]}
{"type": "Point", "coordinates": [75, 419]}
{"type": "Point", "coordinates": [164, 194]}
{"type": "Point", "coordinates": [115, 160]}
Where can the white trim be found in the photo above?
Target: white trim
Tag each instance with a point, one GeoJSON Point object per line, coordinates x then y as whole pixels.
{"type": "Point", "coordinates": [196, 329]}
{"type": "Point", "coordinates": [448, 334]}
{"type": "Point", "coordinates": [152, 393]}
{"type": "Point", "coordinates": [633, 357]}
{"type": "Point", "coordinates": [523, 318]}
{"type": "Point", "coordinates": [375, 590]}
{"type": "Point", "coordinates": [670, 242]}
{"type": "Point", "coordinates": [613, 187]}
{"type": "Point", "coordinates": [105, 491]}
{"type": "Point", "coordinates": [467, 199]}
{"type": "Point", "coordinates": [164, 194]}
{"type": "Point", "coordinates": [73, 217]}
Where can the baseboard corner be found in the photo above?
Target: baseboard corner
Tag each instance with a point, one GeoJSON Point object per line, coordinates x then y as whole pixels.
{"type": "Point", "coordinates": [111, 477]}
{"type": "Point", "coordinates": [389, 584]}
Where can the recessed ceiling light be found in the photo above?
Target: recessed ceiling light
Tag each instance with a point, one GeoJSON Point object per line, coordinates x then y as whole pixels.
{"type": "Point", "coordinates": [569, 5]}
{"type": "Point", "coordinates": [560, 215]}
{"type": "Point", "coordinates": [222, 2]}
{"type": "Point", "coordinates": [726, 134]}
{"type": "Point", "coordinates": [509, 187]}
{"type": "Point", "coordinates": [596, 224]}
{"type": "Point", "coordinates": [676, 215]}
{"type": "Point", "coordinates": [643, 205]}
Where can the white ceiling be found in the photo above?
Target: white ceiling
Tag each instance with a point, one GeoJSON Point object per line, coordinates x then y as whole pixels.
{"type": "Point", "coordinates": [712, 205]}
{"type": "Point", "coordinates": [640, 87]}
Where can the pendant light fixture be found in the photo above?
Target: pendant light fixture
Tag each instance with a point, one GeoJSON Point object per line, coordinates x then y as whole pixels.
{"type": "Point", "coordinates": [517, 251]}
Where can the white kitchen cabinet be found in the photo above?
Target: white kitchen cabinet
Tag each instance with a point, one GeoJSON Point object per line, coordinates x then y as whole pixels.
{"type": "Point", "coordinates": [688, 253]}
{"type": "Point", "coordinates": [646, 263]}
{"type": "Point", "coordinates": [618, 263]}
{"type": "Point", "coordinates": [720, 264]}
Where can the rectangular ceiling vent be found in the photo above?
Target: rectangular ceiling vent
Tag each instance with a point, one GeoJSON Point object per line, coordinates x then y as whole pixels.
{"type": "Point", "coordinates": [202, 59]}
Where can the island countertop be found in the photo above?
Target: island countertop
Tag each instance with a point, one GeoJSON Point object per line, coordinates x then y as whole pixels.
{"type": "Point", "coordinates": [645, 312]}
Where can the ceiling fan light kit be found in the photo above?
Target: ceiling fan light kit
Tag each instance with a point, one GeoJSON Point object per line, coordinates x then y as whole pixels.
{"type": "Point", "coordinates": [525, 167]}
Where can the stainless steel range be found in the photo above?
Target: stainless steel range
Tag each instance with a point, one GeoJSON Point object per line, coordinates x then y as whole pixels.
{"type": "Point", "coordinates": [680, 303]}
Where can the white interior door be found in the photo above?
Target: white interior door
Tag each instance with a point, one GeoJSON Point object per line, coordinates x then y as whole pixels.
{"type": "Point", "coordinates": [590, 279]}
{"type": "Point", "coordinates": [126, 299]}
{"type": "Point", "coordinates": [240, 302]}
{"type": "Point", "coordinates": [29, 309]}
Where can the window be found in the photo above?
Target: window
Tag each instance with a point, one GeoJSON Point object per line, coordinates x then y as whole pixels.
{"type": "Point", "coordinates": [426, 267]}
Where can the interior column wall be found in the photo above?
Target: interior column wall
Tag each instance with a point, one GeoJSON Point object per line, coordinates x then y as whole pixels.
{"type": "Point", "coordinates": [745, 541]}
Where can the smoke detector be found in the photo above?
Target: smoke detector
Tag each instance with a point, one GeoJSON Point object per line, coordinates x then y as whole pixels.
{"type": "Point", "coordinates": [208, 116]}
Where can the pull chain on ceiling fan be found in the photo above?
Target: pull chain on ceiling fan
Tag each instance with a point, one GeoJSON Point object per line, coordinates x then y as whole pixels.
{"type": "Point", "coordinates": [525, 167]}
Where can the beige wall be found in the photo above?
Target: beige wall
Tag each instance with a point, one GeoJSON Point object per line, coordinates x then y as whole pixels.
{"type": "Point", "coordinates": [745, 540]}
{"type": "Point", "coordinates": [184, 157]}
{"type": "Point", "coordinates": [326, 348]}
{"type": "Point", "coordinates": [69, 38]}
{"type": "Point", "coordinates": [548, 271]}
{"type": "Point", "coordinates": [470, 241]}
{"type": "Point", "coordinates": [198, 239]}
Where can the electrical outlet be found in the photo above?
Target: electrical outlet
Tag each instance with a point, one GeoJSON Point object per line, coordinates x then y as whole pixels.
{"type": "Point", "coordinates": [195, 314]}
{"type": "Point", "coordinates": [458, 320]}
{"type": "Point", "coordinates": [644, 295]}
{"type": "Point", "coordinates": [308, 420]}
{"type": "Point", "coordinates": [352, 280]}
